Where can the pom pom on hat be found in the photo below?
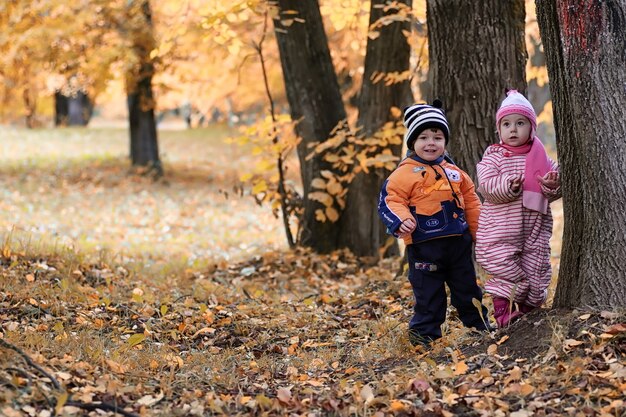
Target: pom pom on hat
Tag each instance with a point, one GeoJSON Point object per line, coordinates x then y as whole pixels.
{"type": "Point", "coordinates": [516, 103]}
{"type": "Point", "coordinates": [420, 117]}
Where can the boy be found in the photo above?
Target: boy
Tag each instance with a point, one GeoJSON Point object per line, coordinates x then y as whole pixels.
{"type": "Point", "coordinates": [431, 204]}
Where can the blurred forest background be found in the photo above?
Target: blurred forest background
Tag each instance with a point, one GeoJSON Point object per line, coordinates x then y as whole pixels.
{"type": "Point", "coordinates": [66, 64]}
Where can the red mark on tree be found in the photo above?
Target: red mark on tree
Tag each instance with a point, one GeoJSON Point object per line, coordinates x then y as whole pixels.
{"type": "Point", "coordinates": [581, 21]}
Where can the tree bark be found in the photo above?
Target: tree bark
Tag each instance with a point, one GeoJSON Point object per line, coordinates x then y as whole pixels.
{"type": "Point", "coordinates": [361, 228]}
{"type": "Point", "coordinates": [144, 150]}
{"type": "Point", "coordinates": [585, 46]}
{"type": "Point", "coordinates": [72, 110]}
{"type": "Point", "coordinates": [315, 101]}
{"type": "Point", "coordinates": [476, 51]}
{"type": "Point", "coordinates": [61, 109]}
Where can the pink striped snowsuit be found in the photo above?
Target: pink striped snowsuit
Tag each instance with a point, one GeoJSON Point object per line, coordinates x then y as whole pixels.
{"type": "Point", "coordinates": [512, 242]}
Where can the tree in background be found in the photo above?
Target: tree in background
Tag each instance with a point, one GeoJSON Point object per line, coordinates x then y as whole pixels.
{"type": "Point", "coordinates": [384, 92]}
{"type": "Point", "coordinates": [54, 47]}
{"type": "Point", "coordinates": [315, 103]}
{"type": "Point", "coordinates": [585, 47]}
{"type": "Point", "coordinates": [144, 150]}
{"type": "Point", "coordinates": [342, 176]}
{"type": "Point", "coordinates": [476, 51]}
{"type": "Point", "coordinates": [74, 109]}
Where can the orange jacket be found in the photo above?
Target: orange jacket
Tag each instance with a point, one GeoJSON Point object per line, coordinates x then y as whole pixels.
{"type": "Point", "coordinates": [421, 190]}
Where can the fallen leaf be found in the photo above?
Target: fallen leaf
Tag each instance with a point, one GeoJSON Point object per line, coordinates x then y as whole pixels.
{"type": "Point", "coordinates": [616, 328]}
{"type": "Point", "coordinates": [136, 339]}
{"type": "Point", "coordinates": [284, 395]}
{"type": "Point", "coordinates": [397, 406]}
{"type": "Point", "coordinates": [116, 367]}
{"type": "Point", "coordinates": [149, 400]}
{"type": "Point", "coordinates": [570, 343]}
{"type": "Point", "coordinates": [521, 413]}
{"type": "Point", "coordinates": [61, 400]}
{"type": "Point", "coordinates": [367, 394]}
{"type": "Point", "coordinates": [204, 330]}
{"type": "Point", "coordinates": [460, 368]}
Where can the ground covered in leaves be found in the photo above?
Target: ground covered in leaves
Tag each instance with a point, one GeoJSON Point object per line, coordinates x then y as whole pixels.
{"type": "Point", "coordinates": [179, 298]}
{"type": "Point", "coordinates": [286, 333]}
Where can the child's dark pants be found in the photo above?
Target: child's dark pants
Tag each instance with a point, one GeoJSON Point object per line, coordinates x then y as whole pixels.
{"type": "Point", "coordinates": [431, 265]}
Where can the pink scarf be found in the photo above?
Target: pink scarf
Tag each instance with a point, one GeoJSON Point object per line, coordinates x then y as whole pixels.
{"type": "Point", "coordinates": [537, 164]}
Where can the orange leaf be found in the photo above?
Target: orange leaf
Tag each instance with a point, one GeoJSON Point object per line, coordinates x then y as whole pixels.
{"type": "Point", "coordinates": [116, 367]}
{"type": "Point", "coordinates": [332, 214]}
{"type": "Point", "coordinates": [460, 368]}
{"type": "Point", "coordinates": [397, 406]}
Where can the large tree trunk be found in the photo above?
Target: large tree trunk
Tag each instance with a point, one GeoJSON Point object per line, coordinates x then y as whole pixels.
{"type": "Point", "coordinates": [476, 50]}
{"type": "Point", "coordinates": [314, 99]}
{"type": "Point", "coordinates": [361, 228]}
{"type": "Point", "coordinates": [585, 46]}
{"type": "Point", "coordinates": [144, 150]}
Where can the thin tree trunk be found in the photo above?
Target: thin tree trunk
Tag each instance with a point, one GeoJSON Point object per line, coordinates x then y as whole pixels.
{"type": "Point", "coordinates": [144, 150]}
{"type": "Point", "coordinates": [361, 228]}
{"type": "Point", "coordinates": [315, 101]}
{"type": "Point", "coordinates": [585, 46]}
{"type": "Point", "coordinates": [61, 109]}
{"type": "Point", "coordinates": [476, 50]}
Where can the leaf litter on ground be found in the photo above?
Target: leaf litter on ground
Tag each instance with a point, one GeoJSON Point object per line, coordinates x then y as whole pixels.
{"type": "Point", "coordinates": [302, 333]}
{"type": "Point", "coordinates": [198, 309]}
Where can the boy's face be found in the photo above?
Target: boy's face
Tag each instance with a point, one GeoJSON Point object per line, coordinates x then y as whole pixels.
{"type": "Point", "coordinates": [515, 129]}
{"type": "Point", "coordinates": [430, 144]}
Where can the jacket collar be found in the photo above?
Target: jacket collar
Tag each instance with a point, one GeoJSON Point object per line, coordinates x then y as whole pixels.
{"type": "Point", "coordinates": [425, 162]}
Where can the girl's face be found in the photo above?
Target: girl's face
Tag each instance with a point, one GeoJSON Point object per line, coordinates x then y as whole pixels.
{"type": "Point", "coordinates": [515, 129]}
{"type": "Point", "coordinates": [430, 144]}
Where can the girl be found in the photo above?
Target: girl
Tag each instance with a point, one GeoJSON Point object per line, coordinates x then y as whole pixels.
{"type": "Point", "coordinates": [517, 180]}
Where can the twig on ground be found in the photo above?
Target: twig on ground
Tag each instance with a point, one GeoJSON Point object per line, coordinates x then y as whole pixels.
{"type": "Point", "coordinates": [101, 406]}
{"type": "Point", "coordinates": [30, 362]}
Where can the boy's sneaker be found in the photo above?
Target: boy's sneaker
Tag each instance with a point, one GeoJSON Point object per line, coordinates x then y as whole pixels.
{"type": "Point", "coordinates": [417, 339]}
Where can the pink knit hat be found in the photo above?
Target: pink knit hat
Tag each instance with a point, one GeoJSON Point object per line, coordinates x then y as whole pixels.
{"type": "Point", "coordinates": [516, 103]}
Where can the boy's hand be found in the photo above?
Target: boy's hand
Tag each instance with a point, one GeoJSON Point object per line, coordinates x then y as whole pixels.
{"type": "Point", "coordinates": [551, 180]}
{"type": "Point", "coordinates": [516, 183]}
{"type": "Point", "coordinates": [406, 227]}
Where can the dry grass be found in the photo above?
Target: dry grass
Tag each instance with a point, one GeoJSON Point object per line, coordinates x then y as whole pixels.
{"type": "Point", "coordinates": [70, 187]}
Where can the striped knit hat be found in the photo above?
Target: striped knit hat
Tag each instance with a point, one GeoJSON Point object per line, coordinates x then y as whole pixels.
{"type": "Point", "coordinates": [420, 117]}
{"type": "Point", "coordinates": [516, 103]}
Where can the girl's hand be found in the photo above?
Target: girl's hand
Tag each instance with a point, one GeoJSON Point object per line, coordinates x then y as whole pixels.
{"type": "Point", "coordinates": [516, 183]}
{"type": "Point", "coordinates": [551, 180]}
{"type": "Point", "coordinates": [406, 227]}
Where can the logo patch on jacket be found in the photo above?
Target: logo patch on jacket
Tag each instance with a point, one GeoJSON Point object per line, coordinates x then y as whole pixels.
{"type": "Point", "coordinates": [453, 175]}
{"type": "Point", "coordinates": [418, 169]}
{"type": "Point", "coordinates": [425, 266]}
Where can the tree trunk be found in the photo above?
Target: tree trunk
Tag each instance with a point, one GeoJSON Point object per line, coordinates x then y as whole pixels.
{"type": "Point", "coordinates": [585, 46]}
{"type": "Point", "coordinates": [144, 150]}
{"type": "Point", "coordinates": [476, 50]}
{"type": "Point", "coordinates": [72, 110]}
{"type": "Point", "coordinates": [314, 99]}
{"type": "Point", "coordinates": [361, 228]}
{"type": "Point", "coordinates": [61, 109]}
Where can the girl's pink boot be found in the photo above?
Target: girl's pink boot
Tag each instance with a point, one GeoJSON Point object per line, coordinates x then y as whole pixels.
{"type": "Point", "coordinates": [502, 312]}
